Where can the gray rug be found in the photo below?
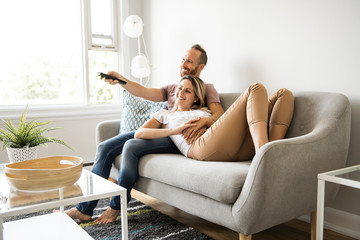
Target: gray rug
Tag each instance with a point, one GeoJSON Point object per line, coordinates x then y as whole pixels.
{"type": "Point", "coordinates": [144, 223]}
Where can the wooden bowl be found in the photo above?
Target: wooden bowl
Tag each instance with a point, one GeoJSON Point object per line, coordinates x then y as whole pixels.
{"type": "Point", "coordinates": [44, 173]}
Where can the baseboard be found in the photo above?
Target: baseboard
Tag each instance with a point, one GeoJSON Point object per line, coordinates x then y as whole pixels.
{"type": "Point", "coordinates": [339, 221]}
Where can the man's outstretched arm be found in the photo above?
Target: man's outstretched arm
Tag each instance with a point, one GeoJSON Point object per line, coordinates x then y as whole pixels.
{"type": "Point", "coordinates": [152, 94]}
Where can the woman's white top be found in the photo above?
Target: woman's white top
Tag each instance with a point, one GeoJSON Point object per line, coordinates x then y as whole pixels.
{"type": "Point", "coordinates": [175, 119]}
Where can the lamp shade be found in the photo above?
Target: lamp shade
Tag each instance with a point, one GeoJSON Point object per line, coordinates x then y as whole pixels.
{"type": "Point", "coordinates": [140, 66]}
{"type": "Point", "coordinates": [133, 26]}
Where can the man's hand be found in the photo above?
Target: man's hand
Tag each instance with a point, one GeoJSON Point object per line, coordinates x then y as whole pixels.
{"type": "Point", "coordinates": [198, 128]}
{"type": "Point", "coordinates": [114, 74]}
{"type": "Point", "coordinates": [136, 89]}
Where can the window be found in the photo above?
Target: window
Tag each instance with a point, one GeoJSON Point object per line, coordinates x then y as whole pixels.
{"type": "Point", "coordinates": [103, 26]}
{"type": "Point", "coordinates": [52, 51]}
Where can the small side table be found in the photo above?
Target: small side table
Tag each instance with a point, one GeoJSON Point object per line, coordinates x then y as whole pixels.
{"type": "Point", "coordinates": [349, 176]}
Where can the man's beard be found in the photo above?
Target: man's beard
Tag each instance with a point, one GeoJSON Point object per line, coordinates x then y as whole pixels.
{"type": "Point", "coordinates": [191, 72]}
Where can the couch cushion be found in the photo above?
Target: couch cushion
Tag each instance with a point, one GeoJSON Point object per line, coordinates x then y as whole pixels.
{"type": "Point", "coordinates": [221, 181]}
{"type": "Point", "coordinates": [136, 111]}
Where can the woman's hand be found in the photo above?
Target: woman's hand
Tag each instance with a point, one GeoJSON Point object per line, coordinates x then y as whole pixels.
{"type": "Point", "coordinates": [181, 128]}
{"type": "Point", "coordinates": [198, 128]}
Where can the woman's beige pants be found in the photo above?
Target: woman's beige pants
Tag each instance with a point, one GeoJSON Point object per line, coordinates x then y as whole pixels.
{"type": "Point", "coordinates": [229, 139]}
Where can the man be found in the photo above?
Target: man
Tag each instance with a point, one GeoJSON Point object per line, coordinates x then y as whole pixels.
{"type": "Point", "coordinates": [132, 149]}
{"type": "Point", "coordinates": [192, 63]}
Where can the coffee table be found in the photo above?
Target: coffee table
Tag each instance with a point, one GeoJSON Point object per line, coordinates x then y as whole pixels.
{"type": "Point", "coordinates": [349, 176]}
{"type": "Point", "coordinates": [55, 225]}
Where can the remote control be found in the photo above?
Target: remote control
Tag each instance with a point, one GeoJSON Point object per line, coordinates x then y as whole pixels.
{"type": "Point", "coordinates": [103, 75]}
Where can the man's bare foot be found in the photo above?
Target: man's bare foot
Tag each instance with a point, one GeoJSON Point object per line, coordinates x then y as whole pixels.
{"type": "Point", "coordinates": [108, 216]}
{"type": "Point", "coordinates": [74, 213]}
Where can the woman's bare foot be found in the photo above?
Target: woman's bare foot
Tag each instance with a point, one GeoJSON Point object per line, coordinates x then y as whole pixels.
{"type": "Point", "coordinates": [74, 213]}
{"type": "Point", "coordinates": [108, 216]}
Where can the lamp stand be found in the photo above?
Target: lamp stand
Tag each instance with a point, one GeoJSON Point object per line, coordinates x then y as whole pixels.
{"type": "Point", "coordinates": [139, 45]}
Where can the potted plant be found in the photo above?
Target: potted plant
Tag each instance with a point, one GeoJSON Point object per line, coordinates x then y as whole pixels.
{"type": "Point", "coordinates": [21, 142]}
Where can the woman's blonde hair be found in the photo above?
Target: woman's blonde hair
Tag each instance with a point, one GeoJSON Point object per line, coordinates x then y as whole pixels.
{"type": "Point", "coordinates": [200, 93]}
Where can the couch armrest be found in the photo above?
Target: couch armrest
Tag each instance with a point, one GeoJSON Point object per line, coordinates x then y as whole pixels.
{"type": "Point", "coordinates": [107, 129]}
{"type": "Point", "coordinates": [282, 180]}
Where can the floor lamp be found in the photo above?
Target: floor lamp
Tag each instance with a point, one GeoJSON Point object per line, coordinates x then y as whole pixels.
{"type": "Point", "coordinates": [133, 28]}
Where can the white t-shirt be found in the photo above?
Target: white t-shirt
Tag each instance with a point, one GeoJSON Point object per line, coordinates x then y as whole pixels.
{"type": "Point", "coordinates": [175, 119]}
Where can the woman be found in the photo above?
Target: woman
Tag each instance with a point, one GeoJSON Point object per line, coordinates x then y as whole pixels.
{"type": "Point", "coordinates": [236, 135]}
{"type": "Point", "coordinates": [189, 105]}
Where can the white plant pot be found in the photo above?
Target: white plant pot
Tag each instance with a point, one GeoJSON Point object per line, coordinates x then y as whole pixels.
{"type": "Point", "coordinates": [21, 154]}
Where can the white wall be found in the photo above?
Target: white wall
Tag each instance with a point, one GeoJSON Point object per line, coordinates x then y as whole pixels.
{"type": "Point", "coordinates": [301, 45]}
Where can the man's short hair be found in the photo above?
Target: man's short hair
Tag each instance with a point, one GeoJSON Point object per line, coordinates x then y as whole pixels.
{"type": "Point", "coordinates": [203, 55]}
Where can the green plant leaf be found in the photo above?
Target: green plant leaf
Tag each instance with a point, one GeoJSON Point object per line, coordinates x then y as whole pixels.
{"type": "Point", "coordinates": [27, 134]}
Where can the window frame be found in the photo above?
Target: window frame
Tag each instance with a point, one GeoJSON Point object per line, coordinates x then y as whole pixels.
{"type": "Point", "coordinates": [114, 28]}
{"type": "Point", "coordinates": [86, 109]}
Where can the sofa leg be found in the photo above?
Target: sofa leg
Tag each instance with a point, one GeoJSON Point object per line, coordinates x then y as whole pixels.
{"type": "Point", "coordinates": [244, 237]}
{"type": "Point", "coordinates": [313, 225]}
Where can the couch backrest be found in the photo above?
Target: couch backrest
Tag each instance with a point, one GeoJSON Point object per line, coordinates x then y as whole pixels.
{"type": "Point", "coordinates": [226, 99]}
{"type": "Point", "coordinates": [311, 109]}
{"type": "Point", "coordinates": [318, 109]}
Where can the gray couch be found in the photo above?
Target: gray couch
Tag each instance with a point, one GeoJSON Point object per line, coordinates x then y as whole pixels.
{"type": "Point", "coordinates": [278, 185]}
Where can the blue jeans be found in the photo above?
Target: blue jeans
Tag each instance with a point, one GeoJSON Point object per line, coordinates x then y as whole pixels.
{"type": "Point", "coordinates": [132, 150]}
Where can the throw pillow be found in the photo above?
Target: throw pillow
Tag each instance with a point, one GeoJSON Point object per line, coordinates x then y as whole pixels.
{"type": "Point", "coordinates": [136, 111]}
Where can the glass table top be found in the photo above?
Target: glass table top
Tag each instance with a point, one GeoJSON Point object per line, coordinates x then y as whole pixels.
{"type": "Point", "coordinates": [349, 176]}
{"type": "Point", "coordinates": [88, 186]}
{"type": "Point", "coordinates": [354, 175]}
